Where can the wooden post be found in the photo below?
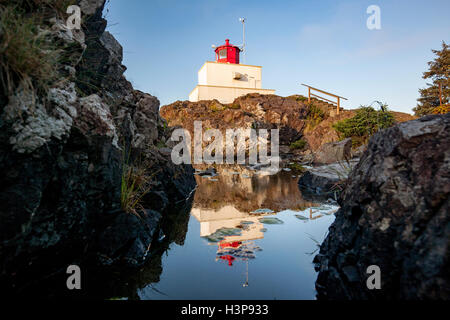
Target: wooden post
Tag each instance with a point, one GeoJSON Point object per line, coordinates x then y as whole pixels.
{"type": "Point", "coordinates": [309, 95]}
{"type": "Point", "coordinates": [338, 105]}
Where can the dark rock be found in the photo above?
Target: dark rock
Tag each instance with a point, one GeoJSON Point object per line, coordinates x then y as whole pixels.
{"type": "Point", "coordinates": [359, 151]}
{"type": "Point", "coordinates": [128, 238]}
{"type": "Point", "coordinates": [395, 213]}
{"type": "Point", "coordinates": [318, 183]}
{"type": "Point", "coordinates": [62, 158]}
{"type": "Point", "coordinates": [210, 172]}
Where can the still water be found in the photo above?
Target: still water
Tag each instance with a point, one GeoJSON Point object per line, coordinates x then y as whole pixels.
{"type": "Point", "coordinates": [249, 236]}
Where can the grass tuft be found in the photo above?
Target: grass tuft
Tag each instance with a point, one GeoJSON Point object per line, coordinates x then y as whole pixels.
{"type": "Point", "coordinates": [26, 54]}
{"type": "Point", "coordinates": [314, 117]}
{"type": "Point", "coordinates": [298, 145]}
{"type": "Point", "coordinates": [135, 184]}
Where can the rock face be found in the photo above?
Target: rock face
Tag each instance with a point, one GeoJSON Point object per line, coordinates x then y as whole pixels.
{"type": "Point", "coordinates": [293, 116]}
{"type": "Point", "coordinates": [62, 157]}
{"type": "Point", "coordinates": [324, 131]}
{"type": "Point", "coordinates": [395, 213]}
{"type": "Point", "coordinates": [333, 152]}
{"type": "Point", "coordinates": [253, 111]}
{"type": "Point", "coordinates": [250, 111]}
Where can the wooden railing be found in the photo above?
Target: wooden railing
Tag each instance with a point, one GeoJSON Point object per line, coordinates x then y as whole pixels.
{"type": "Point", "coordinates": [337, 103]}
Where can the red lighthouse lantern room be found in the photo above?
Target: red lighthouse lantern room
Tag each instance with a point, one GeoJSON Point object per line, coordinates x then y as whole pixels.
{"type": "Point", "coordinates": [227, 53]}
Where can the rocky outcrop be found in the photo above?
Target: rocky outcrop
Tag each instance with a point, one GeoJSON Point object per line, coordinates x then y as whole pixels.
{"type": "Point", "coordinates": [62, 156]}
{"type": "Point", "coordinates": [394, 214]}
{"type": "Point", "coordinates": [333, 152]}
{"type": "Point", "coordinates": [249, 111]}
{"type": "Point", "coordinates": [296, 119]}
{"type": "Point", "coordinates": [324, 132]}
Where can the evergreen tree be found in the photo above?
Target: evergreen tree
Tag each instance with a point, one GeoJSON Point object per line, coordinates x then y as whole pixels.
{"type": "Point", "coordinates": [439, 72]}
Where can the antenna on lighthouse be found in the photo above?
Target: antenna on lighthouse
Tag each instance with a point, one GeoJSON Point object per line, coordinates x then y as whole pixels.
{"type": "Point", "coordinates": [243, 38]}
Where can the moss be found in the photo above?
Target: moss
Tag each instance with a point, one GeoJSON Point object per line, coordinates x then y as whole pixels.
{"type": "Point", "coordinates": [234, 106]}
{"type": "Point", "coordinates": [215, 107]}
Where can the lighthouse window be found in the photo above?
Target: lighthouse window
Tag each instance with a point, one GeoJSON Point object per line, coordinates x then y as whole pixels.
{"type": "Point", "coordinates": [223, 54]}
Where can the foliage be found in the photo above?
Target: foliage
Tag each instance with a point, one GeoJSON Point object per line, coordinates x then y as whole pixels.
{"type": "Point", "coordinates": [216, 107]}
{"type": "Point", "coordinates": [135, 184]}
{"type": "Point", "coordinates": [234, 106]}
{"type": "Point", "coordinates": [26, 54]}
{"type": "Point", "coordinates": [445, 108]}
{"type": "Point", "coordinates": [161, 144]}
{"type": "Point", "coordinates": [343, 171]}
{"type": "Point", "coordinates": [298, 145]}
{"type": "Point", "coordinates": [315, 114]}
{"type": "Point", "coordinates": [365, 123]}
{"type": "Point", "coordinates": [301, 98]}
{"type": "Point", "coordinates": [297, 168]}
{"type": "Point", "coordinates": [438, 72]}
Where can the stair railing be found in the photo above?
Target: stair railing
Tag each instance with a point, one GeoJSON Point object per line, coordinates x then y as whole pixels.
{"type": "Point", "coordinates": [337, 102]}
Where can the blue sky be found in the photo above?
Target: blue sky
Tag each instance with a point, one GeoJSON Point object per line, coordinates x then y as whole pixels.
{"type": "Point", "coordinates": [322, 43]}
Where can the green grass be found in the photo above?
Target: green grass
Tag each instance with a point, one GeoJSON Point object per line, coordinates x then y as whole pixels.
{"type": "Point", "coordinates": [135, 184]}
{"type": "Point", "coordinates": [26, 55]}
{"type": "Point", "coordinates": [298, 145]}
{"type": "Point", "coordinates": [298, 98]}
{"type": "Point", "coordinates": [314, 117]}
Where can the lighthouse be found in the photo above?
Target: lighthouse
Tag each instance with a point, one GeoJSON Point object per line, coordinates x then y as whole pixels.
{"type": "Point", "coordinates": [225, 79]}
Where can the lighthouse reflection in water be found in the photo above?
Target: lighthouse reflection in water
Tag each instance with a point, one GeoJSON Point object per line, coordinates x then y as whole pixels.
{"type": "Point", "coordinates": [250, 236]}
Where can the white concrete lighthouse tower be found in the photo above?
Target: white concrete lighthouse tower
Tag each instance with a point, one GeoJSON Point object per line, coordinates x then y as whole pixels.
{"type": "Point", "coordinates": [225, 79]}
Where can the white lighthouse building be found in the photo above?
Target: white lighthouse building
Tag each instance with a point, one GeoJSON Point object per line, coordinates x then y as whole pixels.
{"type": "Point", "coordinates": [225, 79]}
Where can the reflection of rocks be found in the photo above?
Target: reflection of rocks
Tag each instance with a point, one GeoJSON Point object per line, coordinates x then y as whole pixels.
{"type": "Point", "coordinates": [271, 221]}
{"type": "Point", "coordinates": [318, 184]}
{"type": "Point", "coordinates": [395, 214]}
{"type": "Point", "coordinates": [232, 211]}
{"type": "Point", "coordinates": [247, 190]}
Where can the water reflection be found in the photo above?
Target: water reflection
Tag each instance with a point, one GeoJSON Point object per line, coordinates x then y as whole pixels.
{"type": "Point", "coordinates": [231, 205]}
{"type": "Point", "coordinates": [246, 190]}
{"type": "Point", "coordinates": [250, 236]}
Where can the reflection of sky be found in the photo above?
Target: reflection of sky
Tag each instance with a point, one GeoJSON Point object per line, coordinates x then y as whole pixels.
{"type": "Point", "coordinates": [282, 270]}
